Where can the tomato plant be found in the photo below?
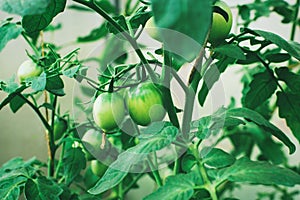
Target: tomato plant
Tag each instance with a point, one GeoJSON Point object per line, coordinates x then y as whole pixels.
{"type": "Point", "coordinates": [208, 109]}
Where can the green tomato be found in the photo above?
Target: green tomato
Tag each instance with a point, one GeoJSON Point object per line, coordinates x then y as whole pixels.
{"type": "Point", "coordinates": [221, 23]}
{"type": "Point", "coordinates": [145, 104]}
{"type": "Point", "coordinates": [98, 168]}
{"type": "Point", "coordinates": [92, 141]}
{"type": "Point", "coordinates": [152, 30]}
{"type": "Point", "coordinates": [60, 127]}
{"type": "Point", "coordinates": [89, 178]}
{"type": "Point", "coordinates": [108, 111]}
{"type": "Point", "coordinates": [28, 69]}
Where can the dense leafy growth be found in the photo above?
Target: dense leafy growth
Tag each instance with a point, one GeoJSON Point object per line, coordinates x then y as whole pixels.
{"type": "Point", "coordinates": [139, 132]}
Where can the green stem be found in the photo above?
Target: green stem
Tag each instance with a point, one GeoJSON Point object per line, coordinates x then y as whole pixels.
{"type": "Point", "coordinates": [120, 191]}
{"type": "Point", "coordinates": [132, 183]}
{"type": "Point", "coordinates": [127, 7]}
{"type": "Point", "coordinates": [123, 32]}
{"type": "Point", "coordinates": [194, 79]}
{"type": "Point", "coordinates": [60, 161]}
{"type": "Point", "coordinates": [33, 47]}
{"type": "Point", "coordinates": [155, 173]}
{"type": "Point", "coordinates": [179, 81]}
{"type": "Point", "coordinates": [270, 71]}
{"type": "Point", "coordinates": [207, 183]}
{"type": "Point", "coordinates": [117, 4]}
{"type": "Point", "coordinates": [188, 111]}
{"type": "Point", "coordinates": [168, 101]}
{"type": "Point", "coordinates": [295, 20]}
{"type": "Point", "coordinates": [193, 82]}
{"type": "Point", "coordinates": [51, 143]}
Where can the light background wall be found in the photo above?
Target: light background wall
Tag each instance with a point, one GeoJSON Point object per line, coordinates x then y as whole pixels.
{"type": "Point", "coordinates": [22, 134]}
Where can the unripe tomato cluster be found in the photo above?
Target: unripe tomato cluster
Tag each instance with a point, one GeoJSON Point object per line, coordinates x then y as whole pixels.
{"type": "Point", "coordinates": [144, 103]}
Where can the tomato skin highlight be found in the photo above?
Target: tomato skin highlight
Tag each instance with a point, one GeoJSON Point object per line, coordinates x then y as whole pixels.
{"type": "Point", "coordinates": [221, 26]}
{"type": "Point", "coordinates": [28, 69]}
{"type": "Point", "coordinates": [108, 111]}
{"type": "Point", "coordinates": [145, 104]}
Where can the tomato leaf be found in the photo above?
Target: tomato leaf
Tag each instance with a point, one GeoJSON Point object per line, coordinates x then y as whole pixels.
{"type": "Point", "coordinates": [231, 50]}
{"type": "Point", "coordinates": [55, 85]}
{"type": "Point", "coordinates": [257, 172]}
{"type": "Point", "coordinates": [271, 150]}
{"type": "Point", "coordinates": [291, 79]}
{"type": "Point", "coordinates": [12, 95]}
{"type": "Point", "coordinates": [261, 88]}
{"type": "Point", "coordinates": [137, 155]}
{"type": "Point", "coordinates": [14, 174]}
{"type": "Point", "coordinates": [38, 83]}
{"type": "Point", "coordinates": [16, 103]}
{"type": "Point", "coordinates": [216, 158]}
{"type": "Point", "coordinates": [183, 24]}
{"type": "Point", "coordinates": [214, 123]}
{"type": "Point", "coordinates": [278, 57]}
{"type": "Point", "coordinates": [289, 106]}
{"type": "Point", "coordinates": [73, 162]}
{"type": "Point", "coordinates": [279, 41]}
{"type": "Point", "coordinates": [8, 31]}
{"type": "Point", "coordinates": [42, 188]}
{"type": "Point", "coordinates": [24, 7]}
{"type": "Point", "coordinates": [18, 163]}
{"type": "Point", "coordinates": [95, 34]}
{"type": "Point", "coordinates": [11, 187]}
{"type": "Point", "coordinates": [178, 187]}
{"type": "Point", "coordinates": [33, 24]}
{"type": "Point", "coordinates": [71, 72]}
{"type": "Point", "coordinates": [260, 121]}
{"type": "Point", "coordinates": [224, 118]}
{"type": "Point", "coordinates": [211, 76]}
{"type": "Point", "coordinates": [139, 18]}
{"type": "Point", "coordinates": [10, 85]}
